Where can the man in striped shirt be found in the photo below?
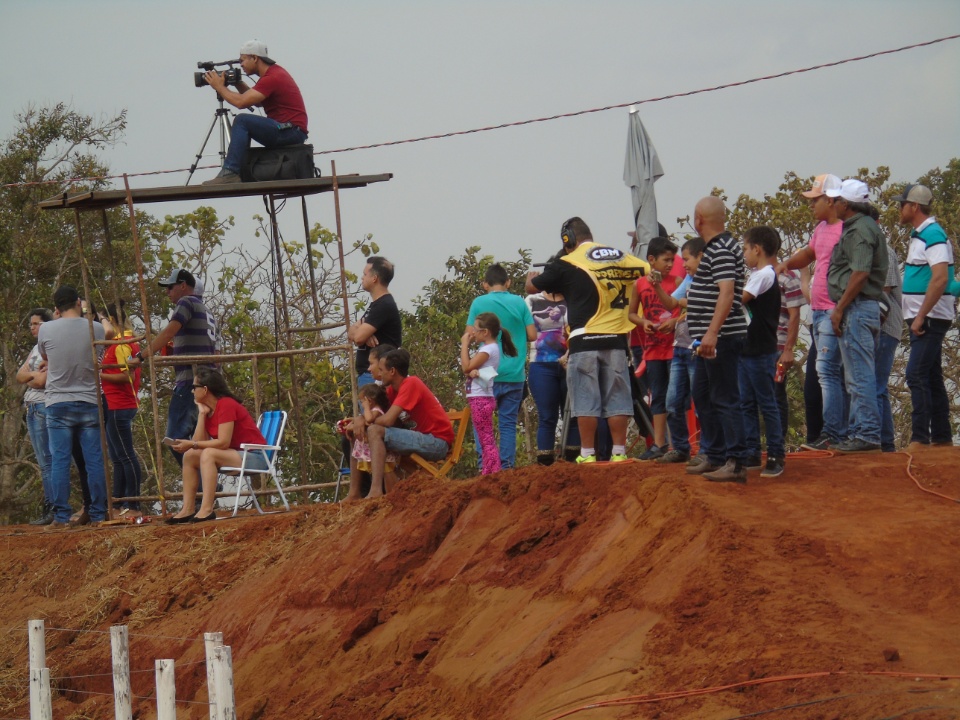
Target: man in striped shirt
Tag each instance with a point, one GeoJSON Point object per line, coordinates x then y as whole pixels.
{"type": "Point", "coordinates": [929, 311]}
{"type": "Point", "coordinates": [191, 332]}
{"type": "Point", "coordinates": [715, 317]}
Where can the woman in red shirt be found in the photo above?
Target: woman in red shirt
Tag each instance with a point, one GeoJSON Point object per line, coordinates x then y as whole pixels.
{"type": "Point", "coordinates": [222, 426]}
{"type": "Point", "coordinates": [121, 386]}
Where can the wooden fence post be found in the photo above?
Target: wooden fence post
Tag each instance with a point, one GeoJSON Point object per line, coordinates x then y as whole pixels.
{"type": "Point", "coordinates": [211, 641]}
{"type": "Point", "coordinates": [120, 647]}
{"type": "Point", "coordinates": [38, 644]}
{"type": "Point", "coordinates": [40, 706]}
{"type": "Point", "coordinates": [166, 690]}
{"type": "Point", "coordinates": [226, 708]}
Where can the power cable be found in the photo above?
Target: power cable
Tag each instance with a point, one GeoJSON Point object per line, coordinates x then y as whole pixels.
{"type": "Point", "coordinates": [518, 123]}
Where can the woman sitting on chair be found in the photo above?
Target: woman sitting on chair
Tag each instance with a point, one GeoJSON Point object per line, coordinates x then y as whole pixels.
{"type": "Point", "coordinates": [222, 426]}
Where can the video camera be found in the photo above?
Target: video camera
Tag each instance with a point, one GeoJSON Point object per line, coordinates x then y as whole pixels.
{"type": "Point", "coordinates": [231, 76]}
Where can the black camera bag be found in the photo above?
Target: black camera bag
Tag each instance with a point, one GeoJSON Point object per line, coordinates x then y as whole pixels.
{"type": "Point", "coordinates": [290, 162]}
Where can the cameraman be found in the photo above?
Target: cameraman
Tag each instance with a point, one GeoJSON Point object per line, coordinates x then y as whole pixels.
{"type": "Point", "coordinates": [276, 92]}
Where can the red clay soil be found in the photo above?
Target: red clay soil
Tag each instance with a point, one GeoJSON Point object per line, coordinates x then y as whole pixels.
{"type": "Point", "coordinates": [528, 594]}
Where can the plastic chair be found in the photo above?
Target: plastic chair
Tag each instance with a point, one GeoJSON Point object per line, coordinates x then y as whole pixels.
{"type": "Point", "coordinates": [271, 424]}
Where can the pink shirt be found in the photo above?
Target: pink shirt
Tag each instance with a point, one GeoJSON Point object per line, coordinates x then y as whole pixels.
{"type": "Point", "coordinates": [822, 242]}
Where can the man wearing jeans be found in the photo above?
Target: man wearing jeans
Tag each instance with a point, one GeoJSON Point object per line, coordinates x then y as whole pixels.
{"type": "Point", "coordinates": [858, 271]}
{"type": "Point", "coordinates": [411, 403]}
{"type": "Point", "coordinates": [715, 316]}
{"type": "Point", "coordinates": [929, 312]}
{"type": "Point", "coordinates": [822, 198]}
{"type": "Point", "coordinates": [191, 333]}
{"type": "Point", "coordinates": [286, 117]}
{"type": "Point", "coordinates": [515, 318]}
{"type": "Point", "coordinates": [72, 395]}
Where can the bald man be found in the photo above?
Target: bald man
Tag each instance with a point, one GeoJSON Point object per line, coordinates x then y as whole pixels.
{"type": "Point", "coordinates": [715, 317]}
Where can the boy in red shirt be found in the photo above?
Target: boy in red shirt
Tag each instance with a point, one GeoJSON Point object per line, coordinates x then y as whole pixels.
{"type": "Point", "coordinates": [658, 325]}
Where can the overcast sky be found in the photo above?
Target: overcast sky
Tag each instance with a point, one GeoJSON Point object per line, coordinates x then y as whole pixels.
{"type": "Point", "coordinates": [379, 71]}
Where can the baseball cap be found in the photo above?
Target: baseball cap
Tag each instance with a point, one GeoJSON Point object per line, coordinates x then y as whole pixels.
{"type": "Point", "coordinates": [827, 184]}
{"type": "Point", "coordinates": [255, 47]}
{"type": "Point", "coordinates": [853, 190]}
{"type": "Point", "coordinates": [919, 194]}
{"type": "Point", "coordinates": [65, 295]}
{"type": "Point", "coordinates": [178, 275]}
{"type": "Point", "coordinates": [198, 288]}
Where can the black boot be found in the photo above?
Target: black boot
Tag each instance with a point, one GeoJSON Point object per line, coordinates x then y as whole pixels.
{"type": "Point", "coordinates": [47, 516]}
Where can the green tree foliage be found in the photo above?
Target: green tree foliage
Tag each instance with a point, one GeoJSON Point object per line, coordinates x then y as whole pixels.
{"type": "Point", "coordinates": [38, 252]}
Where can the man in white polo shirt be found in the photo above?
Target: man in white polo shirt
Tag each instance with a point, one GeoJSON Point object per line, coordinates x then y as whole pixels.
{"type": "Point", "coordinates": [929, 311]}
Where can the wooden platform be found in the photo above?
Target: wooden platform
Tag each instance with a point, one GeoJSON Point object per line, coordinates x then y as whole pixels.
{"type": "Point", "coordinates": [98, 199]}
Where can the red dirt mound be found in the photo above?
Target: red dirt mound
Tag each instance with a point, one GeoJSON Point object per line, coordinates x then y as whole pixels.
{"type": "Point", "coordinates": [528, 594]}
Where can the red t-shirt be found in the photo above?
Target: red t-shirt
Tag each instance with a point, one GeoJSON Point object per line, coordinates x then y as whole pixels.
{"type": "Point", "coordinates": [423, 408]}
{"type": "Point", "coordinates": [659, 345]}
{"type": "Point", "coordinates": [245, 430]}
{"type": "Point", "coordinates": [282, 99]}
{"type": "Point", "coordinates": [121, 396]}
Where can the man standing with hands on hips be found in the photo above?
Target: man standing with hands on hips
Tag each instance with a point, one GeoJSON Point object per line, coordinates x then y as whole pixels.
{"type": "Point", "coordinates": [276, 92]}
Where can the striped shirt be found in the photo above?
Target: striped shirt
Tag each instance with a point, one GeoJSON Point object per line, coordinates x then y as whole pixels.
{"type": "Point", "coordinates": [791, 296]}
{"type": "Point", "coordinates": [722, 260]}
{"type": "Point", "coordinates": [929, 246]}
{"type": "Point", "coordinates": [196, 335]}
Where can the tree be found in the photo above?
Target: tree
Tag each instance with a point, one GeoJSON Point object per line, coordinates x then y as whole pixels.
{"type": "Point", "coordinates": [38, 252]}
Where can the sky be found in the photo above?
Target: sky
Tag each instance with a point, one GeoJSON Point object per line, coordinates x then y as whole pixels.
{"type": "Point", "coordinates": [376, 71]}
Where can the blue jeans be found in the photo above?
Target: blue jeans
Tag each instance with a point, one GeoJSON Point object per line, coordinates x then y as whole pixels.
{"type": "Point", "coordinates": [37, 429]}
{"type": "Point", "coordinates": [716, 394]}
{"type": "Point", "coordinates": [830, 372]}
{"type": "Point", "coordinates": [548, 385]}
{"type": "Point", "coordinates": [858, 346]}
{"type": "Point", "coordinates": [66, 421]}
{"type": "Point", "coordinates": [509, 396]}
{"type": "Point", "coordinates": [930, 416]}
{"type": "Point", "coordinates": [127, 472]}
{"type": "Point", "coordinates": [267, 132]}
{"type": "Point", "coordinates": [181, 418]}
{"type": "Point", "coordinates": [757, 393]}
{"type": "Point", "coordinates": [678, 398]}
{"type": "Point", "coordinates": [406, 442]}
{"type": "Point", "coordinates": [658, 378]}
{"type": "Point", "coordinates": [886, 349]}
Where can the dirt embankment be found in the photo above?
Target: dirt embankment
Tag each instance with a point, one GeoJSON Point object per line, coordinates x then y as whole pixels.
{"type": "Point", "coordinates": [524, 595]}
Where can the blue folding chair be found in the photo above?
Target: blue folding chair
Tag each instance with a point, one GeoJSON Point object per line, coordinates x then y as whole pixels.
{"type": "Point", "coordinates": [271, 424]}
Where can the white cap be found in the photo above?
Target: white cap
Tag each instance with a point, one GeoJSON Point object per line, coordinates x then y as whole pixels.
{"type": "Point", "coordinates": [198, 287]}
{"type": "Point", "coordinates": [853, 190]}
{"type": "Point", "coordinates": [255, 47]}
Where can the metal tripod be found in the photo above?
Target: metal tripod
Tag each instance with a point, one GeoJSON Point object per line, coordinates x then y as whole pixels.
{"type": "Point", "coordinates": [221, 119]}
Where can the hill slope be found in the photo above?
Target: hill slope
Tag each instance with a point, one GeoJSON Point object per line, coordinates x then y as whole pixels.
{"type": "Point", "coordinates": [524, 595]}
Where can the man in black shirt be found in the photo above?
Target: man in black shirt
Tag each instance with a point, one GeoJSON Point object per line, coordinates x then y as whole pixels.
{"type": "Point", "coordinates": [381, 321]}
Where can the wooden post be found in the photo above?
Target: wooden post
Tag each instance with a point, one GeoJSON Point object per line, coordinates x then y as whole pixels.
{"type": "Point", "coordinates": [107, 463]}
{"type": "Point", "coordinates": [40, 706]}
{"type": "Point", "coordinates": [211, 641]}
{"type": "Point", "coordinates": [37, 644]}
{"type": "Point", "coordinates": [166, 690]}
{"type": "Point", "coordinates": [120, 648]}
{"type": "Point", "coordinates": [151, 370]}
{"type": "Point", "coordinates": [226, 707]}
{"type": "Point", "coordinates": [351, 359]}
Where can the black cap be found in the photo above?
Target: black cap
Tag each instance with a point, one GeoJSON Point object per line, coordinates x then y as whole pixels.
{"type": "Point", "coordinates": [179, 275]}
